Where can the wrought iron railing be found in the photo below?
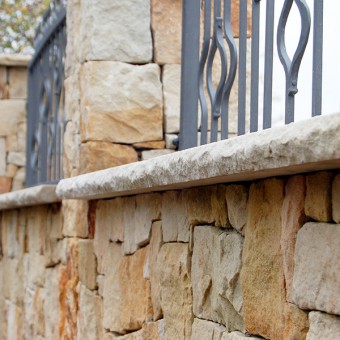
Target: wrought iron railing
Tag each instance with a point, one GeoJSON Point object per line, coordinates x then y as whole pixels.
{"type": "Point", "coordinates": [205, 109]}
{"type": "Point", "coordinates": [45, 121]}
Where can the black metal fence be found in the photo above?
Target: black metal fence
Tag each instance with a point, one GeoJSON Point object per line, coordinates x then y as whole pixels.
{"type": "Point", "coordinates": [202, 102]}
{"type": "Point", "coordinates": [45, 121]}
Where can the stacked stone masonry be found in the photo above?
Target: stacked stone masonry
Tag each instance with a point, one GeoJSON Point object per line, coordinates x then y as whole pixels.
{"type": "Point", "coordinates": [13, 94]}
{"type": "Point", "coordinates": [239, 261]}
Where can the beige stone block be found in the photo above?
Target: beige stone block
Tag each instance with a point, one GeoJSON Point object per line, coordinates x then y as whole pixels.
{"type": "Point", "coordinates": [13, 112]}
{"type": "Point", "coordinates": [73, 94]}
{"type": "Point", "coordinates": [11, 170]}
{"type": "Point", "coordinates": [22, 141]}
{"type": "Point", "coordinates": [19, 180]}
{"type": "Point", "coordinates": [18, 82]}
{"type": "Point", "coordinates": [89, 315]}
{"type": "Point", "coordinates": [296, 322]}
{"type": "Point", "coordinates": [150, 331]}
{"type": "Point", "coordinates": [75, 218]}
{"type": "Point", "coordinates": [203, 329]}
{"type": "Point", "coordinates": [316, 283]}
{"type": "Point", "coordinates": [323, 326]}
{"type": "Point", "coordinates": [119, 107]}
{"type": "Point", "coordinates": [12, 143]}
{"type": "Point", "coordinates": [237, 202]}
{"type": "Point", "coordinates": [318, 204]}
{"type": "Point", "coordinates": [336, 199]}
{"type": "Point", "coordinates": [14, 320]}
{"type": "Point", "coordinates": [238, 336]}
{"type": "Point", "coordinates": [171, 94]}
{"type": "Point", "coordinates": [125, 292]}
{"type": "Point", "coordinates": [5, 184]}
{"type": "Point", "coordinates": [102, 155]}
{"type": "Point", "coordinates": [87, 264]}
{"type": "Point", "coordinates": [36, 229]}
{"type": "Point", "coordinates": [71, 149]}
{"type": "Point", "coordinates": [150, 145]}
{"type": "Point", "coordinates": [155, 153]}
{"type": "Point", "coordinates": [2, 157]}
{"type": "Point", "coordinates": [34, 270]}
{"type": "Point", "coordinates": [16, 158]}
{"type": "Point", "coordinates": [169, 141]}
{"type": "Point", "coordinates": [216, 266]}
{"type": "Point", "coordinates": [13, 280]}
{"type": "Point", "coordinates": [292, 217]}
{"type": "Point", "coordinates": [176, 291]}
{"type": "Point", "coordinates": [100, 284]}
{"type": "Point", "coordinates": [3, 81]}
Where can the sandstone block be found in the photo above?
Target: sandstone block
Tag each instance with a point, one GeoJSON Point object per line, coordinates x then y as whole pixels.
{"type": "Point", "coordinates": [171, 95]}
{"type": "Point", "coordinates": [150, 145]}
{"type": "Point", "coordinates": [237, 336]}
{"type": "Point", "coordinates": [336, 199]}
{"type": "Point", "coordinates": [119, 107]}
{"type": "Point", "coordinates": [13, 112]}
{"type": "Point", "coordinates": [318, 203]}
{"type": "Point", "coordinates": [12, 287]}
{"type": "Point", "coordinates": [5, 184]}
{"type": "Point", "coordinates": [19, 180]}
{"type": "Point", "coordinates": [323, 326]}
{"type": "Point", "coordinates": [36, 229]}
{"type": "Point", "coordinates": [22, 141]}
{"type": "Point", "coordinates": [175, 290]}
{"type": "Point", "coordinates": [12, 143]}
{"type": "Point", "coordinates": [2, 156]}
{"type": "Point", "coordinates": [14, 318]}
{"type": "Point", "coordinates": [216, 266]}
{"type": "Point", "coordinates": [12, 235]}
{"type": "Point", "coordinates": [96, 156]}
{"type": "Point", "coordinates": [125, 292]}
{"type": "Point", "coordinates": [11, 170]}
{"type": "Point", "coordinates": [16, 158]}
{"type": "Point", "coordinates": [155, 153]}
{"type": "Point", "coordinates": [202, 329]}
{"type": "Point", "coordinates": [237, 199]}
{"type": "Point", "coordinates": [87, 264]}
{"type": "Point", "coordinates": [18, 82]}
{"type": "Point", "coordinates": [72, 144]}
{"type": "Point", "coordinates": [130, 31]}
{"type": "Point", "coordinates": [292, 217]}
{"type": "Point", "coordinates": [316, 283]}
{"type": "Point", "coordinates": [150, 331]}
{"type": "Point", "coordinates": [34, 270]}
{"type": "Point", "coordinates": [75, 218]}
{"type": "Point", "coordinates": [72, 93]}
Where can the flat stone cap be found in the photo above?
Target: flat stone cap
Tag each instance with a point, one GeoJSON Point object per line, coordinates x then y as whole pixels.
{"type": "Point", "coordinates": [42, 194]}
{"type": "Point", "coordinates": [14, 59]}
{"type": "Point", "coordinates": [304, 146]}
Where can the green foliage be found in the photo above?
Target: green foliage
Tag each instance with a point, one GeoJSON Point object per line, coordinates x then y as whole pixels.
{"type": "Point", "coordinates": [18, 21]}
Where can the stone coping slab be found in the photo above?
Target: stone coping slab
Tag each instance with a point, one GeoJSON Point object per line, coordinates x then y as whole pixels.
{"type": "Point", "coordinates": [42, 194]}
{"type": "Point", "coordinates": [304, 146]}
{"type": "Point", "coordinates": [14, 59]}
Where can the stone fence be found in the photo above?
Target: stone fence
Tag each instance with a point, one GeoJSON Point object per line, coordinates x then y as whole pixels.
{"type": "Point", "coordinates": [233, 240]}
{"type": "Point", "coordinates": [13, 94]}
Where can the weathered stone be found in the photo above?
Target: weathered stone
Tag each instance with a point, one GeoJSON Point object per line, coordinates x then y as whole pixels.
{"type": "Point", "coordinates": [176, 291]}
{"type": "Point", "coordinates": [336, 199]}
{"type": "Point", "coordinates": [216, 266]}
{"type": "Point", "coordinates": [22, 141]}
{"type": "Point", "coordinates": [72, 144]}
{"type": "Point", "coordinates": [169, 141]}
{"type": "Point", "coordinates": [12, 143]}
{"type": "Point", "coordinates": [34, 270]}
{"type": "Point", "coordinates": [262, 275]}
{"type": "Point", "coordinates": [155, 153]}
{"type": "Point", "coordinates": [5, 184]}
{"type": "Point", "coordinates": [3, 80]}
{"type": "Point", "coordinates": [323, 326]}
{"type": "Point", "coordinates": [36, 229]}
{"type": "Point", "coordinates": [19, 180]}
{"type": "Point", "coordinates": [87, 264]}
{"type": "Point", "coordinates": [11, 170]}
{"type": "Point", "coordinates": [125, 291]}
{"type": "Point", "coordinates": [102, 155]}
{"type": "Point", "coordinates": [296, 322]}
{"type": "Point", "coordinates": [171, 94]}
{"type": "Point", "coordinates": [203, 329]}
{"type": "Point", "coordinates": [14, 318]}
{"type": "Point", "coordinates": [318, 203]}
{"type": "Point", "coordinates": [237, 199]}
{"type": "Point", "coordinates": [316, 283]}
{"type": "Point", "coordinates": [237, 336]}
{"type": "Point", "coordinates": [150, 145]}
{"type": "Point", "coordinates": [2, 157]}
{"type": "Point", "coordinates": [12, 288]}
{"type": "Point", "coordinates": [12, 113]}
{"type": "Point", "coordinates": [119, 107]}
{"type": "Point", "coordinates": [75, 218]}
{"type": "Point", "coordinates": [150, 331]}
{"type": "Point", "coordinates": [16, 158]}
{"type": "Point", "coordinates": [18, 82]}
{"type": "Point", "coordinates": [89, 315]}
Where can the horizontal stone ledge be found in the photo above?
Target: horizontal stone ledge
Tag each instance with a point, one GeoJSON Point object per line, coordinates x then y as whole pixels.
{"type": "Point", "coordinates": [14, 59]}
{"type": "Point", "coordinates": [304, 146]}
{"type": "Point", "coordinates": [39, 195]}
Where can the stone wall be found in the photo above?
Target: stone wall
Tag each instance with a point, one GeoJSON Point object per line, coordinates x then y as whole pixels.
{"type": "Point", "coordinates": [13, 94]}
{"type": "Point", "coordinates": [228, 261]}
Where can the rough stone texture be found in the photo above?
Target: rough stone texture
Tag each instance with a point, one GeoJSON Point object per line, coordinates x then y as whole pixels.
{"type": "Point", "coordinates": [281, 150]}
{"type": "Point", "coordinates": [130, 31]}
{"type": "Point", "coordinates": [318, 196]}
{"type": "Point", "coordinates": [13, 112]}
{"type": "Point", "coordinates": [292, 219]}
{"type": "Point", "coordinates": [155, 153]}
{"type": "Point", "coordinates": [316, 283]}
{"type": "Point", "coordinates": [14, 59]}
{"type": "Point", "coordinates": [121, 103]}
{"type": "Point", "coordinates": [18, 82]}
{"type": "Point", "coordinates": [216, 266]}
{"type": "Point", "coordinates": [150, 145]}
{"type": "Point", "coordinates": [19, 179]}
{"type": "Point", "coordinates": [323, 326]}
{"type": "Point", "coordinates": [16, 158]}
{"type": "Point", "coordinates": [169, 139]}
{"type": "Point", "coordinates": [102, 155]}
{"type": "Point", "coordinates": [176, 291]}
{"type": "Point", "coordinates": [2, 157]}
{"type": "Point", "coordinates": [87, 264]}
{"type": "Point", "coordinates": [237, 199]}
{"type": "Point", "coordinates": [171, 94]}
{"type": "Point", "coordinates": [5, 185]}
{"type": "Point", "coordinates": [125, 292]}
{"type": "Point", "coordinates": [75, 218]}
{"type": "Point", "coordinates": [336, 199]}
{"type": "Point", "coordinates": [202, 329]}
{"type": "Point", "coordinates": [237, 336]}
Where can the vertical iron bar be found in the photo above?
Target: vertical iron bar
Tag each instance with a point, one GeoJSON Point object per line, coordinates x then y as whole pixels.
{"type": "Point", "coordinates": [255, 56]}
{"type": "Point", "coordinates": [189, 74]}
{"type": "Point", "coordinates": [242, 71]}
{"type": "Point", "coordinates": [317, 58]}
{"type": "Point", "coordinates": [268, 70]}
